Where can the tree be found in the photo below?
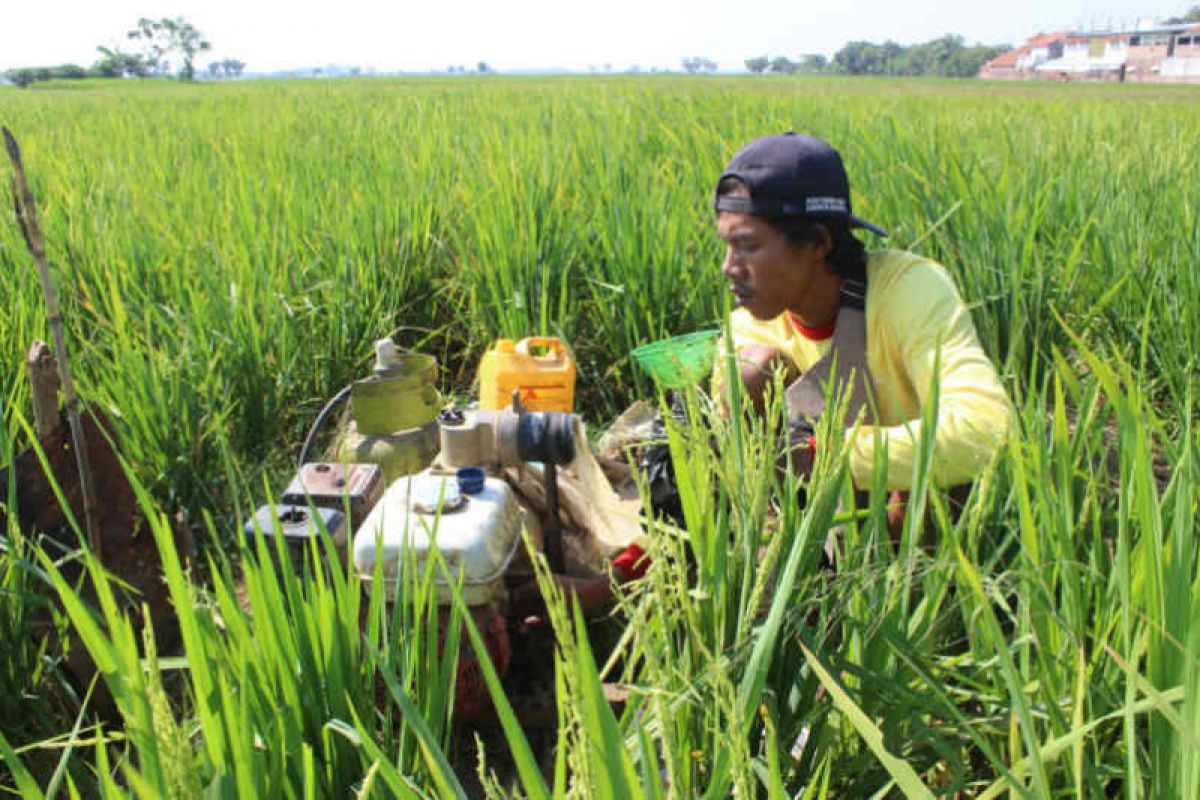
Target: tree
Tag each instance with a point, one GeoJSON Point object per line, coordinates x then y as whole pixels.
{"type": "Point", "coordinates": [482, 68]}
{"type": "Point", "coordinates": [782, 65]}
{"type": "Point", "coordinates": [867, 58]}
{"type": "Point", "coordinates": [946, 56]}
{"type": "Point", "coordinates": [1191, 15]}
{"type": "Point", "coordinates": [812, 62]}
{"type": "Point", "coordinates": [967, 62]}
{"type": "Point", "coordinates": [228, 68]}
{"type": "Point", "coordinates": [758, 65]}
{"type": "Point", "coordinates": [694, 64]}
{"type": "Point", "coordinates": [158, 39]}
{"type": "Point", "coordinates": [162, 37]}
{"type": "Point", "coordinates": [115, 64]}
{"type": "Point", "coordinates": [25, 76]}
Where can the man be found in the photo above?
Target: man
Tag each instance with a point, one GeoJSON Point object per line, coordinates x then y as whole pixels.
{"type": "Point", "coordinates": [807, 291]}
{"type": "Point", "coordinates": [812, 301]}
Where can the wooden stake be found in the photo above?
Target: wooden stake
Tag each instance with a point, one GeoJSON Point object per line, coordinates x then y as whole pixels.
{"type": "Point", "coordinates": [43, 382]}
{"type": "Point", "coordinates": [26, 210]}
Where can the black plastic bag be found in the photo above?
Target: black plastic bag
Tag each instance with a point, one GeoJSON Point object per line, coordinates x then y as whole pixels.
{"type": "Point", "coordinates": [656, 465]}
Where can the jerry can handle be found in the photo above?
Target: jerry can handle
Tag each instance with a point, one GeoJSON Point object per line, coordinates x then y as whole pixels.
{"type": "Point", "coordinates": [554, 343]}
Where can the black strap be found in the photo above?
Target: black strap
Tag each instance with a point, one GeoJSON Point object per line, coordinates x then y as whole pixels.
{"type": "Point", "coordinates": [853, 293]}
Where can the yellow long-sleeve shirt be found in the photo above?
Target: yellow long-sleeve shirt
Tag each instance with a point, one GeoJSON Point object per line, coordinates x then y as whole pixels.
{"type": "Point", "coordinates": [912, 307]}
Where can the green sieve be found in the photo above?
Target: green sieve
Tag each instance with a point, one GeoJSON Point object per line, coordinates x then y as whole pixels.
{"type": "Point", "coordinates": [679, 361]}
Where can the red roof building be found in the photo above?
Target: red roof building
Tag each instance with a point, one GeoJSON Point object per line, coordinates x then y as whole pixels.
{"type": "Point", "coordinates": [1019, 62]}
{"type": "Point", "coordinates": [1165, 53]}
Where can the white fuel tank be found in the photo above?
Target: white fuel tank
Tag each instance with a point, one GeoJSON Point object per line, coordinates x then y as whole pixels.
{"type": "Point", "coordinates": [477, 533]}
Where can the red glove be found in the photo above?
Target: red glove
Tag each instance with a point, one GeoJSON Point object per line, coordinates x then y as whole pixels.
{"type": "Point", "coordinates": [632, 563]}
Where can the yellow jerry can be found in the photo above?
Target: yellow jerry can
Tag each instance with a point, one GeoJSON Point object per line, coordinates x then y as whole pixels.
{"type": "Point", "coordinates": [541, 368]}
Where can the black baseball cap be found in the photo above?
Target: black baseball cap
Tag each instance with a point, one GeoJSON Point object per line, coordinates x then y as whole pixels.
{"type": "Point", "coordinates": [792, 175]}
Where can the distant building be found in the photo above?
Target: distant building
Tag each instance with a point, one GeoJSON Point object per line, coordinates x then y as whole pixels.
{"type": "Point", "coordinates": [1020, 63]}
{"type": "Point", "coordinates": [1162, 53]}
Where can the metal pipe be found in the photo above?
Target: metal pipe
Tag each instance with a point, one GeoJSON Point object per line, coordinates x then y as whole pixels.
{"type": "Point", "coordinates": [552, 529]}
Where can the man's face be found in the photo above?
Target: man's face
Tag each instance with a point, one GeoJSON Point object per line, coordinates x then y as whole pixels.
{"type": "Point", "coordinates": [768, 274]}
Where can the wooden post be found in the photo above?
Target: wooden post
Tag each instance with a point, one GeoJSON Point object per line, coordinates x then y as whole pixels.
{"type": "Point", "coordinates": [26, 208]}
{"type": "Point", "coordinates": [43, 382]}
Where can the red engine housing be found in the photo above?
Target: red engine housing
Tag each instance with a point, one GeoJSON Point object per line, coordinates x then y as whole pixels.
{"type": "Point", "coordinates": [472, 702]}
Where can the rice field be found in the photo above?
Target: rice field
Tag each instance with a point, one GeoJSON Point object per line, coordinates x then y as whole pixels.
{"type": "Point", "coordinates": [226, 255]}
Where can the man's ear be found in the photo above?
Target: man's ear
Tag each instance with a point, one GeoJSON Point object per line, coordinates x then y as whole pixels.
{"type": "Point", "coordinates": [825, 244]}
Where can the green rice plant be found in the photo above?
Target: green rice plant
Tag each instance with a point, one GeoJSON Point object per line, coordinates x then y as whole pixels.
{"type": "Point", "coordinates": [23, 671]}
{"type": "Point", "coordinates": [935, 663]}
{"type": "Point", "coordinates": [35, 692]}
{"type": "Point", "coordinates": [282, 678]}
{"type": "Point", "coordinates": [190, 223]}
{"type": "Point", "coordinates": [227, 254]}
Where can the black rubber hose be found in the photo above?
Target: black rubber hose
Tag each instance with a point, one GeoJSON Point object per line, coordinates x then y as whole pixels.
{"type": "Point", "coordinates": [318, 422]}
{"type": "Point", "coordinates": [546, 436]}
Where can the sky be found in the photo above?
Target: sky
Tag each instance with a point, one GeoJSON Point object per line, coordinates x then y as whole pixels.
{"type": "Point", "coordinates": [387, 35]}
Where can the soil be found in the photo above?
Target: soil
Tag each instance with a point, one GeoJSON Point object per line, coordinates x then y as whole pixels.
{"type": "Point", "coordinates": [126, 542]}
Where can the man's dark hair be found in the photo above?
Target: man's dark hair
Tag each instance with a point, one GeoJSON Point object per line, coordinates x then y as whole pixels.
{"type": "Point", "coordinates": [848, 255]}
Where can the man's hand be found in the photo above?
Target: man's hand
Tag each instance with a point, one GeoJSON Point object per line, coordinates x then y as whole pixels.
{"type": "Point", "coordinates": [897, 510]}
{"type": "Point", "coordinates": [801, 447]}
{"type": "Point", "coordinates": [758, 363]}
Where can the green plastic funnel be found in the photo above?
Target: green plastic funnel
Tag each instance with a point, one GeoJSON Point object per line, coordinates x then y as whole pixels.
{"type": "Point", "coordinates": [679, 361]}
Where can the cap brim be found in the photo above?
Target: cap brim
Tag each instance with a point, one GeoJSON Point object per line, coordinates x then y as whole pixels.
{"type": "Point", "coordinates": [855, 222]}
